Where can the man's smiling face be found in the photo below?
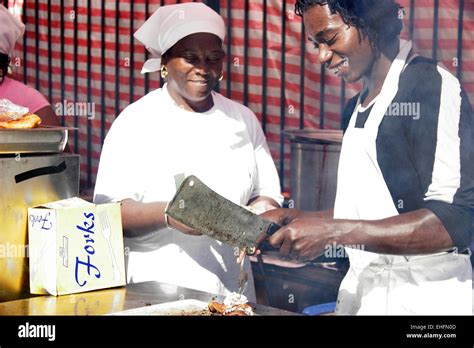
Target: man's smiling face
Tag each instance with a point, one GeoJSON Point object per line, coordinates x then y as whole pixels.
{"type": "Point", "coordinates": [340, 46]}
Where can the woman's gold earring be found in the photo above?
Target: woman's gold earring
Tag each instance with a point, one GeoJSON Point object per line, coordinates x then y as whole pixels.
{"type": "Point", "coordinates": [222, 77]}
{"type": "Point", "coordinates": [164, 72]}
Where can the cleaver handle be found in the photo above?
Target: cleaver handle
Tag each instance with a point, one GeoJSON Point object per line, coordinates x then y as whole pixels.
{"type": "Point", "coordinates": [272, 228]}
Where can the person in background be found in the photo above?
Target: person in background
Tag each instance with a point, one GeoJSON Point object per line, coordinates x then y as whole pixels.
{"type": "Point", "coordinates": [11, 30]}
{"type": "Point", "coordinates": [405, 187]}
{"type": "Point", "coordinates": [182, 129]}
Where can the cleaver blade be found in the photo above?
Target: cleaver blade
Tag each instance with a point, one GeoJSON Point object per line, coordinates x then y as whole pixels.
{"type": "Point", "coordinates": [201, 208]}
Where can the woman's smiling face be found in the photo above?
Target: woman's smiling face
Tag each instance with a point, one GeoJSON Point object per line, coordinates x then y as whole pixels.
{"type": "Point", "coordinates": [194, 66]}
{"type": "Point", "coordinates": [340, 46]}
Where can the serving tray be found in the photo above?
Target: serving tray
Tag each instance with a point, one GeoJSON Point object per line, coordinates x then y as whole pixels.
{"type": "Point", "coordinates": [44, 139]}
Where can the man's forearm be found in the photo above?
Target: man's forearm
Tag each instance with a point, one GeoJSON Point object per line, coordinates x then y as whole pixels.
{"type": "Point", "coordinates": [324, 214]}
{"type": "Point", "coordinates": [417, 232]}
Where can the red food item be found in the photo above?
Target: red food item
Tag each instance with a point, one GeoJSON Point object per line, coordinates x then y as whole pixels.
{"type": "Point", "coordinates": [243, 309]}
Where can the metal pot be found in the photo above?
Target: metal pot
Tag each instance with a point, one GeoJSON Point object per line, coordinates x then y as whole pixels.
{"type": "Point", "coordinates": [314, 163]}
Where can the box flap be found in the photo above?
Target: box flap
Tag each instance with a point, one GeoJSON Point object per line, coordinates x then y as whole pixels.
{"type": "Point", "coordinates": [74, 202]}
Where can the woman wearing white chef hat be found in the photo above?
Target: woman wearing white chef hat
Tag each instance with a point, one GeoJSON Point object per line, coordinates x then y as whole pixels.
{"type": "Point", "coordinates": [181, 129]}
{"type": "Point", "coordinates": [404, 206]}
{"type": "Point", "coordinates": [11, 30]}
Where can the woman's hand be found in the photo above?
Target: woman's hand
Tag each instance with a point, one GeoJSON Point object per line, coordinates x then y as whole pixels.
{"type": "Point", "coordinates": [262, 204]}
{"type": "Point", "coordinates": [182, 227]}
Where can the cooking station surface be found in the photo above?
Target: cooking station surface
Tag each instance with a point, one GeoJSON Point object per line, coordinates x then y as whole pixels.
{"type": "Point", "coordinates": [108, 301]}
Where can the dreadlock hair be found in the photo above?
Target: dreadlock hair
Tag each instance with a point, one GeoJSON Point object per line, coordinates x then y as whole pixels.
{"type": "Point", "coordinates": [379, 20]}
{"type": "Point", "coordinates": [4, 63]}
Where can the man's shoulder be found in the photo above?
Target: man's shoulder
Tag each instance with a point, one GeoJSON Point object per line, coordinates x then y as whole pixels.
{"type": "Point", "coordinates": [421, 62]}
{"type": "Point", "coordinates": [425, 74]}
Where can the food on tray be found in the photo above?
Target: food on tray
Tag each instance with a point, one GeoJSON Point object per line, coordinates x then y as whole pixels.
{"type": "Point", "coordinates": [25, 122]}
{"type": "Point", "coordinates": [14, 116]}
{"type": "Point", "coordinates": [233, 305]}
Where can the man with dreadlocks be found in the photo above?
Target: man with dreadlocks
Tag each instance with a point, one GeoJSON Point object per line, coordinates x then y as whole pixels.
{"type": "Point", "coordinates": [405, 187]}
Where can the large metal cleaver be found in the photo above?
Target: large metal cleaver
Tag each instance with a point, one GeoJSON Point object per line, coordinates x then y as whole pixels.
{"type": "Point", "coordinates": [199, 207]}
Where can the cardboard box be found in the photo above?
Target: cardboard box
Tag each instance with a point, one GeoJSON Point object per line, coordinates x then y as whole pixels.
{"type": "Point", "coordinates": [75, 246]}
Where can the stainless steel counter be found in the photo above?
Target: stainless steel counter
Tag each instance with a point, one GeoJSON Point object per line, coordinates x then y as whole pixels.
{"type": "Point", "coordinates": [115, 300]}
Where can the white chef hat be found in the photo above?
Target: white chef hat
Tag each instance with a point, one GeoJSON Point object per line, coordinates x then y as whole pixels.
{"type": "Point", "coordinates": [11, 29]}
{"type": "Point", "coordinates": [171, 23]}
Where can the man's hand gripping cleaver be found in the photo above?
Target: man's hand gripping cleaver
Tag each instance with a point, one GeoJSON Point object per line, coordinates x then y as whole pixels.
{"type": "Point", "coordinates": [204, 210]}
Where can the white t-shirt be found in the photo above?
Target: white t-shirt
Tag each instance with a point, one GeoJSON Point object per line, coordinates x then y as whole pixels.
{"type": "Point", "coordinates": [151, 147]}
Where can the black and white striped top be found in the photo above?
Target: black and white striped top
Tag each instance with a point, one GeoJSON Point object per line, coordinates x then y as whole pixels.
{"type": "Point", "coordinates": [425, 147]}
